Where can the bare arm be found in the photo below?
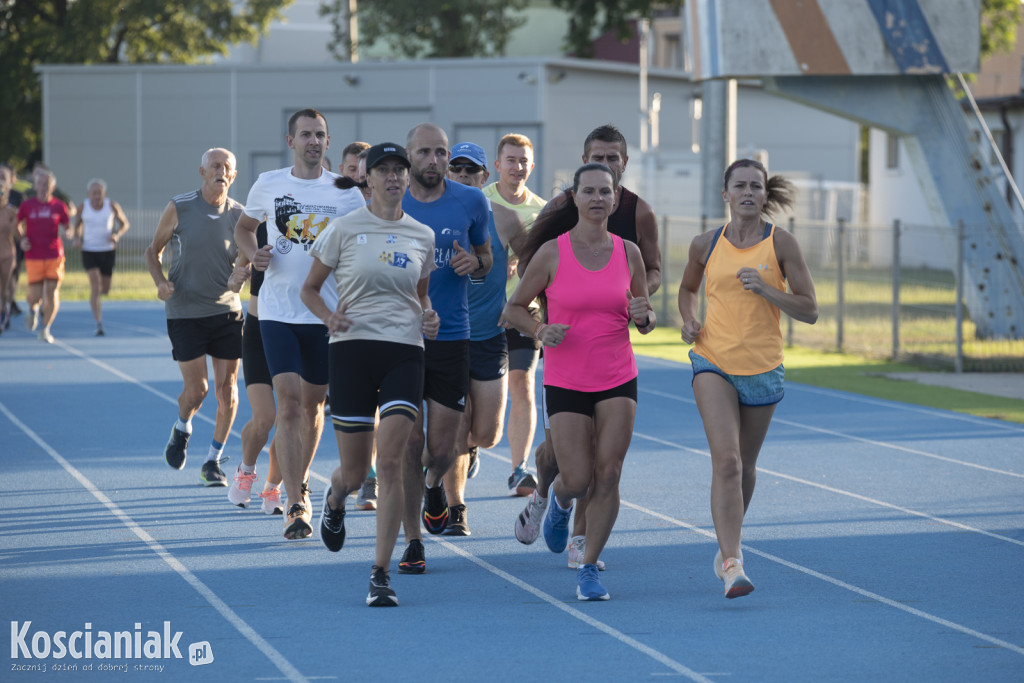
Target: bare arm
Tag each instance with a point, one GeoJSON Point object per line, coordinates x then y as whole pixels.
{"type": "Point", "coordinates": [336, 321]}
{"type": "Point", "coordinates": [689, 287]}
{"type": "Point", "coordinates": [800, 303]}
{"type": "Point", "coordinates": [640, 309]}
{"type": "Point", "coordinates": [535, 279]}
{"type": "Point", "coordinates": [154, 252]}
{"type": "Point", "coordinates": [245, 240]}
{"type": "Point", "coordinates": [77, 228]}
{"type": "Point", "coordinates": [121, 217]}
{"type": "Point", "coordinates": [647, 240]}
{"type": "Point", "coordinates": [431, 321]}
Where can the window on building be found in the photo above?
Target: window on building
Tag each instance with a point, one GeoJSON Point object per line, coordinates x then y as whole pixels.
{"type": "Point", "coordinates": [892, 151]}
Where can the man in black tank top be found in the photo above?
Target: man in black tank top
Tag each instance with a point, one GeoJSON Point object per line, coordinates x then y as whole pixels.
{"type": "Point", "coordinates": [633, 220]}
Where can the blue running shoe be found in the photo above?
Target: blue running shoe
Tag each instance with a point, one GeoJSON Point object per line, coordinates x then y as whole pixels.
{"type": "Point", "coordinates": [556, 526]}
{"type": "Point", "coordinates": [589, 588]}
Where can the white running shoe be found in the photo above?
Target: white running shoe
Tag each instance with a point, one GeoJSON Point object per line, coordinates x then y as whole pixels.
{"type": "Point", "coordinates": [736, 582]}
{"type": "Point", "coordinates": [577, 549]}
{"type": "Point", "coordinates": [240, 492]}
{"type": "Point", "coordinates": [272, 503]}
{"type": "Point", "coordinates": [719, 561]}
{"type": "Point", "coordinates": [529, 520]}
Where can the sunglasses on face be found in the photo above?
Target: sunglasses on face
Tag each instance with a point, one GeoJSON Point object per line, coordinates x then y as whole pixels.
{"type": "Point", "coordinates": [471, 169]}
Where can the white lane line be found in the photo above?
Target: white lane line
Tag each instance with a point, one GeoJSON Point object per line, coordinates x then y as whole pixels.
{"type": "Point", "coordinates": [841, 492]}
{"type": "Point", "coordinates": [268, 650]}
{"type": "Point", "coordinates": [841, 584]}
{"type": "Point", "coordinates": [872, 442]}
{"type": "Point", "coordinates": [575, 613]}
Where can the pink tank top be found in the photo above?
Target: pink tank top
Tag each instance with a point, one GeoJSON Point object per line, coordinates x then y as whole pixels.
{"type": "Point", "coordinates": [595, 354]}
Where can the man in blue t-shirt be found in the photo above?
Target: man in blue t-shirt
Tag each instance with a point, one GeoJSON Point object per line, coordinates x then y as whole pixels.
{"type": "Point", "coordinates": [459, 216]}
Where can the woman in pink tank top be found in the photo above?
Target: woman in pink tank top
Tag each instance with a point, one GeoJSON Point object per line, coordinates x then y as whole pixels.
{"type": "Point", "coordinates": [737, 363]}
{"type": "Point", "coordinates": [593, 285]}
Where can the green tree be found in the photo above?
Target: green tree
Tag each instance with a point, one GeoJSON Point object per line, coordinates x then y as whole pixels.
{"type": "Point", "coordinates": [412, 29]}
{"type": "Point", "coordinates": [34, 32]}
{"type": "Point", "coordinates": [589, 19]}
{"type": "Point", "coordinates": [999, 20]}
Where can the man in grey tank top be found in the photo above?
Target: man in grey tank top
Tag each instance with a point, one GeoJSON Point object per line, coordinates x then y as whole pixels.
{"type": "Point", "coordinates": [204, 316]}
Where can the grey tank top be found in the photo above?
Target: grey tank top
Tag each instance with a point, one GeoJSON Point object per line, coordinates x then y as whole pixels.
{"type": "Point", "coordinates": [203, 254]}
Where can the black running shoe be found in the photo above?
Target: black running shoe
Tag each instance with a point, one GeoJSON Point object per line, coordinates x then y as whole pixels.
{"type": "Point", "coordinates": [435, 509]}
{"type": "Point", "coordinates": [332, 525]}
{"type": "Point", "coordinates": [413, 559]}
{"type": "Point", "coordinates": [174, 451]}
{"type": "Point", "coordinates": [212, 474]}
{"type": "Point", "coordinates": [380, 594]}
{"type": "Point", "coordinates": [458, 521]}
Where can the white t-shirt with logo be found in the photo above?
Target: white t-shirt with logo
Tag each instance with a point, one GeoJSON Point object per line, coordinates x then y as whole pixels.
{"type": "Point", "coordinates": [297, 212]}
{"type": "Point", "coordinates": [377, 266]}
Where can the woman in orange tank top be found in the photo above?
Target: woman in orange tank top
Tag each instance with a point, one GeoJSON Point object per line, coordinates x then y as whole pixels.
{"type": "Point", "coordinates": [737, 360]}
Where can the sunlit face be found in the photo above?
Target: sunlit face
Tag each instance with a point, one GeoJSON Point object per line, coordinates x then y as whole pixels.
{"type": "Point", "coordinates": [595, 195]}
{"type": "Point", "coordinates": [310, 142]}
{"type": "Point", "coordinates": [388, 181]}
{"type": "Point", "coordinates": [350, 166]}
{"type": "Point", "coordinates": [96, 193]}
{"type": "Point", "coordinates": [219, 171]}
{"type": "Point", "coordinates": [746, 192]}
{"type": "Point", "coordinates": [607, 153]}
{"type": "Point", "coordinates": [514, 164]}
{"type": "Point", "coordinates": [44, 182]}
{"type": "Point", "coordinates": [428, 154]}
{"type": "Point", "coordinates": [466, 172]}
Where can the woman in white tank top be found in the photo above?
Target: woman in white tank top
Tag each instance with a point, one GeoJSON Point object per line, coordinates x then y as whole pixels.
{"type": "Point", "coordinates": [99, 224]}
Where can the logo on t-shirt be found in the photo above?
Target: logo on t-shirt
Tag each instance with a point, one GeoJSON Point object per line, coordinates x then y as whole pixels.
{"type": "Point", "coordinates": [298, 223]}
{"type": "Point", "coordinates": [397, 259]}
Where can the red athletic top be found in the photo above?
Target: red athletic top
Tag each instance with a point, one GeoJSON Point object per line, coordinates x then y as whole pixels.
{"type": "Point", "coordinates": [42, 226]}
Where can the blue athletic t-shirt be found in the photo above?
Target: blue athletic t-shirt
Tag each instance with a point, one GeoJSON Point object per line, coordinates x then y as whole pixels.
{"type": "Point", "coordinates": [460, 215]}
{"type": "Point", "coordinates": [487, 296]}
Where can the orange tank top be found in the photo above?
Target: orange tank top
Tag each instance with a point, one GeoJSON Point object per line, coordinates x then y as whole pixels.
{"type": "Point", "coordinates": [741, 334]}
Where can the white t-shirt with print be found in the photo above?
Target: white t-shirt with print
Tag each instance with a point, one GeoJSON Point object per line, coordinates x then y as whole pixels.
{"type": "Point", "coordinates": [377, 266]}
{"type": "Point", "coordinates": [297, 211]}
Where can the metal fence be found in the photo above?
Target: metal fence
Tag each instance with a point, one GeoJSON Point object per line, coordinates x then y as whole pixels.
{"type": "Point", "coordinates": [870, 303]}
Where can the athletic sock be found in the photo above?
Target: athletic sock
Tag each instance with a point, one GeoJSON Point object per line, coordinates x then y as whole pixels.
{"type": "Point", "coordinates": [216, 450]}
{"type": "Point", "coordinates": [247, 469]}
{"type": "Point", "coordinates": [184, 425]}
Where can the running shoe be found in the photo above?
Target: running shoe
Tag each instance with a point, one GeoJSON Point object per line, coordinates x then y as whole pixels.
{"type": "Point", "coordinates": [577, 550]}
{"type": "Point", "coordinates": [212, 474]}
{"type": "Point", "coordinates": [297, 524]}
{"type": "Point", "coordinates": [272, 504]}
{"type": "Point", "coordinates": [435, 509]}
{"type": "Point", "coordinates": [521, 482]}
{"type": "Point", "coordinates": [367, 498]}
{"type": "Point", "coordinates": [413, 560]}
{"type": "Point", "coordinates": [556, 526]}
{"type": "Point", "coordinates": [32, 319]}
{"type": "Point", "coordinates": [45, 336]}
{"type": "Point", "coordinates": [5, 320]}
{"type": "Point", "coordinates": [99, 330]}
{"type": "Point", "coordinates": [240, 493]}
{"type": "Point", "coordinates": [474, 462]}
{"type": "Point", "coordinates": [588, 586]}
{"type": "Point", "coordinates": [305, 495]}
{"type": "Point", "coordinates": [529, 520]}
{"type": "Point", "coordinates": [174, 451]}
{"type": "Point", "coordinates": [15, 308]}
{"type": "Point", "coordinates": [719, 561]}
{"type": "Point", "coordinates": [458, 522]}
{"type": "Point", "coordinates": [332, 525]}
{"type": "Point", "coordinates": [736, 582]}
{"type": "Point", "coordinates": [381, 594]}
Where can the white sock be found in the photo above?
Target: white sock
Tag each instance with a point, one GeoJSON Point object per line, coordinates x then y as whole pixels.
{"type": "Point", "coordinates": [216, 450]}
{"type": "Point", "coordinates": [247, 469]}
{"type": "Point", "coordinates": [183, 426]}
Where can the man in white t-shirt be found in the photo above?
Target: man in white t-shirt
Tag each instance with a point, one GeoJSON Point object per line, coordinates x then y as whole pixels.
{"type": "Point", "coordinates": [297, 202]}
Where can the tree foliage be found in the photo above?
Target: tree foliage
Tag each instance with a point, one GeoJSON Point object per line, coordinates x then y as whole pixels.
{"type": "Point", "coordinates": [999, 20]}
{"type": "Point", "coordinates": [451, 28]}
{"type": "Point", "coordinates": [34, 32]}
{"type": "Point", "coordinates": [589, 19]}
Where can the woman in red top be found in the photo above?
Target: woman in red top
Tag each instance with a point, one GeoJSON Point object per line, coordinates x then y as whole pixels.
{"type": "Point", "coordinates": [42, 222]}
{"type": "Point", "coordinates": [737, 362]}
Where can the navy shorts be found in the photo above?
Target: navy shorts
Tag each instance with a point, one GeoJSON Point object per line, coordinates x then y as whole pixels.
{"type": "Point", "coordinates": [488, 358]}
{"type": "Point", "coordinates": [298, 348]}
{"type": "Point", "coordinates": [763, 389]}
{"type": "Point", "coordinates": [254, 359]}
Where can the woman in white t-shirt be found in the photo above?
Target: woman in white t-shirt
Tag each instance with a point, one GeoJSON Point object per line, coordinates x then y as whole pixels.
{"type": "Point", "coordinates": [381, 260]}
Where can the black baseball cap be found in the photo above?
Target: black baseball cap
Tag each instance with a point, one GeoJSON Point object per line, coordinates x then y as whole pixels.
{"type": "Point", "coordinates": [379, 153]}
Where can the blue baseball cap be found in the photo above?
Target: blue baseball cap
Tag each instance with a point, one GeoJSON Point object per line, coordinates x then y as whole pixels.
{"type": "Point", "coordinates": [468, 150]}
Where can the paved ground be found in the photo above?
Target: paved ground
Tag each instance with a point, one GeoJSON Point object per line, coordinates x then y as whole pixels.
{"type": "Point", "coordinates": [1005, 384]}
